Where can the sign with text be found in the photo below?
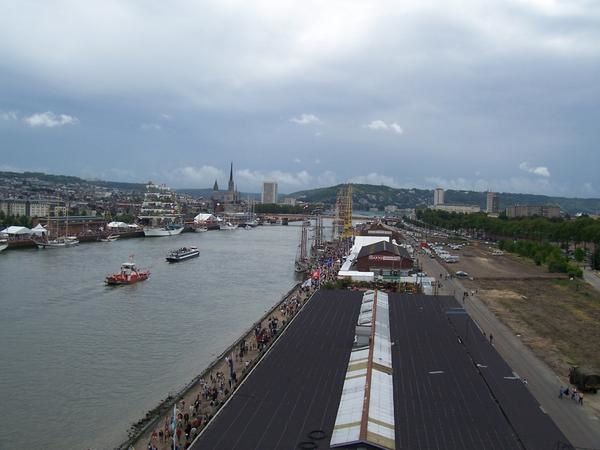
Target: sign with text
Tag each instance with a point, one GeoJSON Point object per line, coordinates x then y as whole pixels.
{"type": "Point", "coordinates": [384, 258]}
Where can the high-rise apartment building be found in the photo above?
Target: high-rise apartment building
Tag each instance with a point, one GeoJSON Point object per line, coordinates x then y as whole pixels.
{"type": "Point", "coordinates": [492, 202]}
{"type": "Point", "coordinates": [438, 197]}
{"type": "Point", "coordinates": [269, 192]}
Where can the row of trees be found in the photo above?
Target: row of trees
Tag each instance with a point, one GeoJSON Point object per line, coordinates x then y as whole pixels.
{"type": "Point", "coordinates": [564, 231]}
{"type": "Point", "coordinates": [532, 237]}
{"type": "Point", "coordinates": [6, 220]}
{"type": "Point", "coordinates": [274, 208]}
{"type": "Point", "coordinates": [543, 253]}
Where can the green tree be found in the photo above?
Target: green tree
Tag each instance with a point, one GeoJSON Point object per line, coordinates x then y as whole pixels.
{"type": "Point", "coordinates": [579, 255]}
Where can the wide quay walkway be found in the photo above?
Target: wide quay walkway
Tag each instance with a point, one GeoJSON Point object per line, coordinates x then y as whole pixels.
{"type": "Point", "coordinates": [293, 394]}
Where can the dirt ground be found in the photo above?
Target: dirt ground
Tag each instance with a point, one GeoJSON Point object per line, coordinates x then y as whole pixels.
{"type": "Point", "coordinates": [558, 319]}
{"type": "Point", "coordinates": [477, 260]}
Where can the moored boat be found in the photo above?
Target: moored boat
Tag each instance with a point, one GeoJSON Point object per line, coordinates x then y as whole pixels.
{"type": "Point", "coordinates": [110, 238]}
{"type": "Point", "coordinates": [183, 254]}
{"type": "Point", "coordinates": [3, 244]}
{"type": "Point", "coordinates": [129, 274]}
{"type": "Point", "coordinates": [227, 226]}
{"type": "Point", "coordinates": [69, 241]}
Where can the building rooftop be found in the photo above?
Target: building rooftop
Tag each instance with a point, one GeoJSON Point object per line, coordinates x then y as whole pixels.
{"type": "Point", "coordinates": [451, 389]}
{"type": "Point", "coordinates": [382, 246]}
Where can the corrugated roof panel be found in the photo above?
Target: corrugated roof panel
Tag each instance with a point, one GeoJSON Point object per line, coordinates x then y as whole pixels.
{"type": "Point", "coordinates": [347, 422]}
{"type": "Point", "coordinates": [374, 362]}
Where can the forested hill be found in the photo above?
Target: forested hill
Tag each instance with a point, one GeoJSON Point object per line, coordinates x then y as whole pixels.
{"type": "Point", "coordinates": [70, 180]}
{"type": "Point", "coordinates": [367, 196]}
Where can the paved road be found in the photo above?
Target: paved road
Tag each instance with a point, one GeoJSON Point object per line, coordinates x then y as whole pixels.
{"type": "Point", "coordinates": [591, 277]}
{"type": "Point", "coordinates": [579, 424]}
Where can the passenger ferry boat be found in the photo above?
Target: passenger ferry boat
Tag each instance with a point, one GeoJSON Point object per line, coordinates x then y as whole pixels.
{"type": "Point", "coordinates": [183, 254]}
{"type": "Point", "coordinates": [160, 214]}
{"type": "Point", "coordinates": [129, 274]}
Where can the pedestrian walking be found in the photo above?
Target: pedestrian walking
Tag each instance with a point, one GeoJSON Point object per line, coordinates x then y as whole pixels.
{"type": "Point", "coordinates": [581, 399]}
{"type": "Point", "coordinates": [560, 393]}
{"type": "Point", "coordinates": [491, 338]}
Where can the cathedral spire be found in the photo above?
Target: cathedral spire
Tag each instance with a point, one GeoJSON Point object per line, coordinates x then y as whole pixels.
{"type": "Point", "coordinates": [231, 185]}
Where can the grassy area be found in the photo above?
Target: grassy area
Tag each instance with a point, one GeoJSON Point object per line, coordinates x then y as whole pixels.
{"type": "Point", "coordinates": [558, 319]}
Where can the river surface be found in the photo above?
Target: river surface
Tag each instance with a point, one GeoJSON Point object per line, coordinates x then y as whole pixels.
{"type": "Point", "coordinates": [80, 361]}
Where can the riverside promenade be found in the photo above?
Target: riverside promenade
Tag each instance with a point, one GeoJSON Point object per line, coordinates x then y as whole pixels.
{"type": "Point", "coordinates": [197, 403]}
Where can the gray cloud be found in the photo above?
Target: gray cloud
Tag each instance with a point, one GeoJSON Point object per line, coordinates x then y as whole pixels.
{"type": "Point", "coordinates": [477, 95]}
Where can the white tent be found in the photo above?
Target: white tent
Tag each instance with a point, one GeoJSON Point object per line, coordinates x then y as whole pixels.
{"type": "Point", "coordinates": [16, 231]}
{"type": "Point", "coordinates": [39, 230]}
{"type": "Point", "coordinates": [117, 225]}
{"type": "Point", "coordinates": [205, 217]}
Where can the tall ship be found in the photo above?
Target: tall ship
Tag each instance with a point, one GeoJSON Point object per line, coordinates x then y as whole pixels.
{"type": "Point", "coordinates": [160, 214]}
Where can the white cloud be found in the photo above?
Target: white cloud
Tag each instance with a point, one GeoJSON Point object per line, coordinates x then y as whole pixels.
{"type": "Point", "coordinates": [297, 160]}
{"type": "Point", "coordinates": [255, 178]}
{"type": "Point", "coordinates": [540, 170]}
{"type": "Point", "coordinates": [150, 127]}
{"type": "Point", "coordinates": [166, 116]}
{"type": "Point", "coordinates": [381, 125]}
{"type": "Point", "coordinates": [317, 161]}
{"type": "Point", "coordinates": [513, 184]}
{"type": "Point", "coordinates": [375, 178]}
{"type": "Point", "coordinates": [305, 119]}
{"type": "Point", "coordinates": [197, 176]}
{"type": "Point", "coordinates": [8, 115]}
{"type": "Point", "coordinates": [50, 120]}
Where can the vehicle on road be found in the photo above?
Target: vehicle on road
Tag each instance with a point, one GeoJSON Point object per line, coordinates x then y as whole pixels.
{"type": "Point", "coordinates": [585, 378]}
{"type": "Point", "coordinates": [461, 274]}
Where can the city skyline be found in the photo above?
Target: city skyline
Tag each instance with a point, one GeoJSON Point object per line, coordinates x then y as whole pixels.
{"type": "Point", "coordinates": [500, 96]}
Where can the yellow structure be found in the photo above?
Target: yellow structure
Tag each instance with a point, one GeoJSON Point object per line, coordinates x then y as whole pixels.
{"type": "Point", "coordinates": [343, 211]}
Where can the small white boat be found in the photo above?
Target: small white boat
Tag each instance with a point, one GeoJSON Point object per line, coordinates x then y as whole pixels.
{"type": "Point", "coordinates": [200, 229]}
{"type": "Point", "coordinates": [110, 238]}
{"type": "Point", "coordinates": [227, 226]}
{"type": "Point", "coordinates": [3, 244]}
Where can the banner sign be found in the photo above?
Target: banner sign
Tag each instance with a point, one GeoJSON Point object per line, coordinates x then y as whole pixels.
{"type": "Point", "coordinates": [384, 258]}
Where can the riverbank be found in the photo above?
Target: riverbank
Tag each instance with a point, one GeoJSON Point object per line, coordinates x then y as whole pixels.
{"type": "Point", "coordinates": [201, 398]}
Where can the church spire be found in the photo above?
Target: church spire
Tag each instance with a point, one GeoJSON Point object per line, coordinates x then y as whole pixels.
{"type": "Point", "coordinates": [231, 186]}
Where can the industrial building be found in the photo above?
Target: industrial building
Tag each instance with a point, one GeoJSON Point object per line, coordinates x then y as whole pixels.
{"type": "Point", "coordinates": [370, 370]}
{"type": "Point", "coordinates": [384, 258]}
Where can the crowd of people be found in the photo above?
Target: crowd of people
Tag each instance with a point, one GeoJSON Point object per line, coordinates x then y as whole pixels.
{"type": "Point", "coordinates": [571, 392]}
{"type": "Point", "coordinates": [191, 414]}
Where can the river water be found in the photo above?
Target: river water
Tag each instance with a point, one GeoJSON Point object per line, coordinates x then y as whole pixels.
{"type": "Point", "coordinates": [80, 361]}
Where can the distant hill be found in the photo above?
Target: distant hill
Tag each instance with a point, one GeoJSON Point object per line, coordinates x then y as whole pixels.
{"type": "Point", "coordinates": [367, 196]}
{"type": "Point", "coordinates": [70, 180]}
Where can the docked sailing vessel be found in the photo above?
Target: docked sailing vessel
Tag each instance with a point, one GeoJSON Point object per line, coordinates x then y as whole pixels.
{"type": "Point", "coordinates": [160, 214]}
{"type": "Point", "coordinates": [302, 263]}
{"type": "Point", "coordinates": [60, 241]}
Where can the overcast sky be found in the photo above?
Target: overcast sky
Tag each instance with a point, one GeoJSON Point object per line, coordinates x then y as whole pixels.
{"type": "Point", "coordinates": [456, 94]}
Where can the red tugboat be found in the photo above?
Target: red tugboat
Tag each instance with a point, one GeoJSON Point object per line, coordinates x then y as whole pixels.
{"type": "Point", "coordinates": [129, 274]}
